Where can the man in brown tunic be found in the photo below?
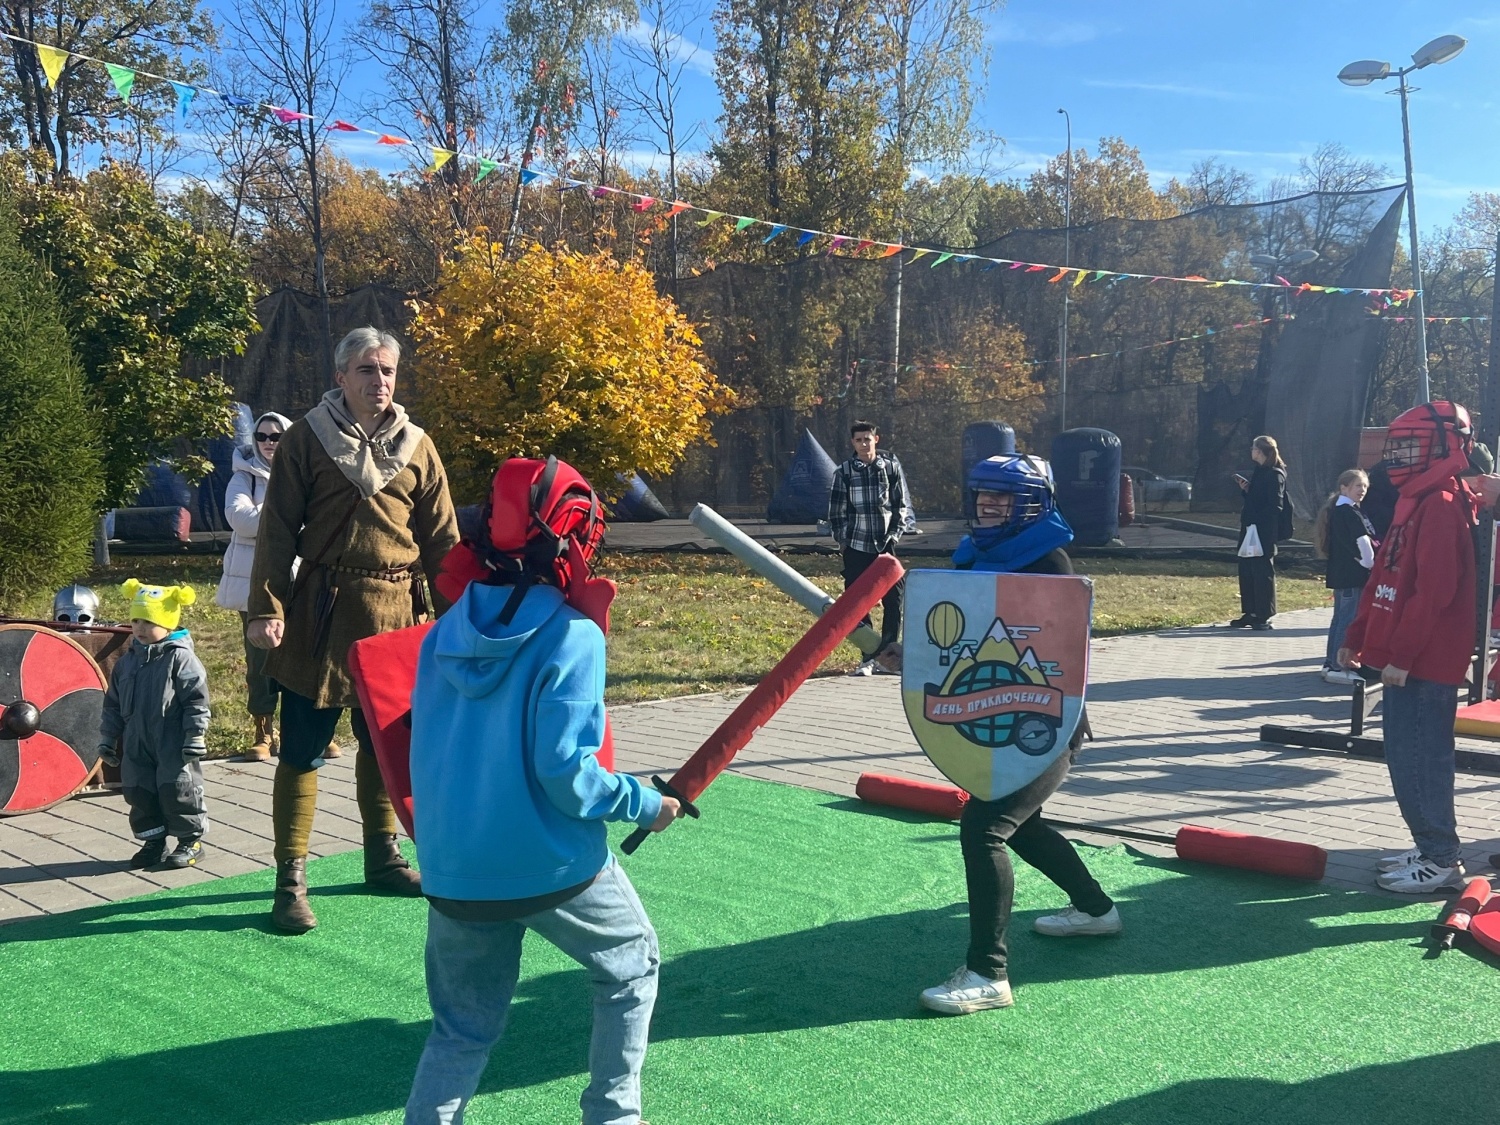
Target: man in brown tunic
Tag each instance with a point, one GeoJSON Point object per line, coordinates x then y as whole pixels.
{"type": "Point", "coordinates": [358, 493]}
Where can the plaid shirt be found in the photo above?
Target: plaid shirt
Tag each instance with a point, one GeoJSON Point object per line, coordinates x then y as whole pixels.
{"type": "Point", "coordinates": [866, 505]}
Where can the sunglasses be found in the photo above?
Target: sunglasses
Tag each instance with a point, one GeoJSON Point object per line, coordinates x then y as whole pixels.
{"type": "Point", "coordinates": [272, 438]}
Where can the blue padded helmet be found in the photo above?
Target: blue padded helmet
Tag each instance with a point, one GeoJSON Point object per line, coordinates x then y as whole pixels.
{"type": "Point", "coordinates": [1024, 477]}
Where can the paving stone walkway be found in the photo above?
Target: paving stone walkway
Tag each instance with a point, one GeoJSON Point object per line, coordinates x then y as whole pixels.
{"type": "Point", "coordinates": [1176, 714]}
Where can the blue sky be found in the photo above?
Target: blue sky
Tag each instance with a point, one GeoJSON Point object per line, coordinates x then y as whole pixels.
{"type": "Point", "coordinates": [1251, 83]}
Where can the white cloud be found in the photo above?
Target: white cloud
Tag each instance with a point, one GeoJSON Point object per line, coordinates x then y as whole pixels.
{"type": "Point", "coordinates": [689, 54]}
{"type": "Point", "coordinates": [1047, 33]}
{"type": "Point", "coordinates": [1171, 88]}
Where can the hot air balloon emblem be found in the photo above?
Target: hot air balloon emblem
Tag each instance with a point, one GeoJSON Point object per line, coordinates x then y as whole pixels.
{"type": "Point", "coordinates": [945, 628]}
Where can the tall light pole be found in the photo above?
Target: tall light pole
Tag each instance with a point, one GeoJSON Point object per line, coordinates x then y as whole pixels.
{"type": "Point", "coordinates": [1062, 346]}
{"type": "Point", "coordinates": [1362, 73]}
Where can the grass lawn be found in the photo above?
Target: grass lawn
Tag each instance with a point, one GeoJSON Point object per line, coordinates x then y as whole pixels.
{"type": "Point", "coordinates": [796, 930]}
{"type": "Point", "coordinates": [695, 623]}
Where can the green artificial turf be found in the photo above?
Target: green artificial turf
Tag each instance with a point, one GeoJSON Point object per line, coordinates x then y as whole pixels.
{"type": "Point", "coordinates": [796, 931]}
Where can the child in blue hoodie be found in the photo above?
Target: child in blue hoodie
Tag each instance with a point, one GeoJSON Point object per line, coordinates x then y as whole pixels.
{"type": "Point", "coordinates": [510, 803]}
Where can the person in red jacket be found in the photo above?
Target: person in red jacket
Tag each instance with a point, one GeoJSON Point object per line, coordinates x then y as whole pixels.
{"type": "Point", "coordinates": [1416, 624]}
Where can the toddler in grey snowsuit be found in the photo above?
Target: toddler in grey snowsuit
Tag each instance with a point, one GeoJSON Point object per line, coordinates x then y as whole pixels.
{"type": "Point", "coordinates": [155, 716]}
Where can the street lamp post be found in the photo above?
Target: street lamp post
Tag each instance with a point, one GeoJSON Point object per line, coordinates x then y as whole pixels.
{"type": "Point", "coordinates": [1362, 73]}
{"type": "Point", "coordinates": [1067, 261]}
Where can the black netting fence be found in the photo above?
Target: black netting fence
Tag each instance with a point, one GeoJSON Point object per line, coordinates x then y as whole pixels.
{"type": "Point", "coordinates": [1185, 374]}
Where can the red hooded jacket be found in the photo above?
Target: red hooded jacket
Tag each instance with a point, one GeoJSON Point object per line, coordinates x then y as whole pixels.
{"type": "Point", "coordinates": [1417, 610]}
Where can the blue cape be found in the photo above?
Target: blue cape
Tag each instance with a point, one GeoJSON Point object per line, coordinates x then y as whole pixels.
{"type": "Point", "coordinates": [1041, 538]}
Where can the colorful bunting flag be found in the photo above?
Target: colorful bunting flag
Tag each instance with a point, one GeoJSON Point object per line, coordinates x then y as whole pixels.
{"type": "Point", "coordinates": [342, 127]}
{"type": "Point", "coordinates": [185, 96]}
{"type": "Point", "coordinates": [387, 139]}
{"type": "Point", "coordinates": [712, 216]}
{"type": "Point", "coordinates": [440, 156]}
{"type": "Point", "coordinates": [123, 78]}
{"type": "Point", "coordinates": [642, 204]}
{"type": "Point", "coordinates": [678, 207]}
{"type": "Point", "coordinates": [919, 253]}
{"type": "Point", "coordinates": [288, 116]}
{"type": "Point", "coordinates": [893, 248]}
{"type": "Point", "coordinates": [775, 230]}
{"type": "Point", "coordinates": [529, 175]}
{"type": "Point", "coordinates": [806, 236]}
{"type": "Point", "coordinates": [53, 60]}
{"type": "Point", "coordinates": [486, 166]}
{"type": "Point", "coordinates": [741, 222]}
{"type": "Point", "coordinates": [1078, 280]}
{"type": "Point", "coordinates": [941, 258]}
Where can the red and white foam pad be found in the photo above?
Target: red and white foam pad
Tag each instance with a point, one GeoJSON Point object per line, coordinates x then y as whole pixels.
{"type": "Point", "coordinates": [1484, 927]}
{"type": "Point", "coordinates": [41, 767]}
{"type": "Point", "coordinates": [1291, 858]}
{"type": "Point", "coordinates": [928, 797]}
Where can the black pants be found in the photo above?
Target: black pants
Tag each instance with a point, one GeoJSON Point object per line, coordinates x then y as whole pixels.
{"type": "Point", "coordinates": [306, 730]}
{"type": "Point", "coordinates": [988, 832]}
{"type": "Point", "coordinates": [855, 564]}
{"type": "Point", "coordinates": [1258, 588]}
{"type": "Point", "coordinates": [173, 806]}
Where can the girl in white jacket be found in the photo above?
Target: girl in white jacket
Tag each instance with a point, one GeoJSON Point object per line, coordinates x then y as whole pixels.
{"type": "Point", "coordinates": [242, 503]}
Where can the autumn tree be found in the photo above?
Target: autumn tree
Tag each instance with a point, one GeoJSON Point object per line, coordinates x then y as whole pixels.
{"type": "Point", "coordinates": [83, 107]}
{"type": "Point", "coordinates": [1111, 183]}
{"type": "Point", "coordinates": [141, 293]}
{"type": "Point", "coordinates": [560, 353]}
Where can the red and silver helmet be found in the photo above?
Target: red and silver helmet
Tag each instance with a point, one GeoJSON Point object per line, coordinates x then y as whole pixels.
{"type": "Point", "coordinates": [1435, 435]}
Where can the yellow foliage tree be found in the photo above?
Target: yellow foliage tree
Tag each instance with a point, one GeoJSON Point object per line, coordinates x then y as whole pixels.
{"type": "Point", "coordinates": [562, 353]}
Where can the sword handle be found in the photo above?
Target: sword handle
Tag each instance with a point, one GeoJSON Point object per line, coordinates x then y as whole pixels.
{"type": "Point", "coordinates": [665, 788]}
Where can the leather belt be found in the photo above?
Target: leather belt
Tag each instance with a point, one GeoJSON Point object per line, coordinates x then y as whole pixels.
{"type": "Point", "coordinates": [393, 574]}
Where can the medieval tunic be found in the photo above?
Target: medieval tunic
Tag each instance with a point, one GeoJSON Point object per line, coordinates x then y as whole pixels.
{"type": "Point", "coordinates": [401, 528]}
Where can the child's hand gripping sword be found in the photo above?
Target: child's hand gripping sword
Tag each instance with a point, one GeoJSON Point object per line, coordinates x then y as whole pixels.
{"type": "Point", "coordinates": [757, 708]}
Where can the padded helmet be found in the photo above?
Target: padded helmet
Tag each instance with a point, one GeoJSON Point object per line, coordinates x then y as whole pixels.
{"type": "Point", "coordinates": [76, 604]}
{"type": "Point", "coordinates": [543, 523]}
{"type": "Point", "coordinates": [1427, 437]}
{"type": "Point", "coordinates": [1027, 479]}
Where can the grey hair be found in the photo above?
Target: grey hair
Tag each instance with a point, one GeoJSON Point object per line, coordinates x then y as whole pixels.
{"type": "Point", "coordinates": [361, 340]}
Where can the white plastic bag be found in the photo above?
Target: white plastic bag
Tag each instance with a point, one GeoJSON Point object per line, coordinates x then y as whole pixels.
{"type": "Point", "coordinates": [1250, 547]}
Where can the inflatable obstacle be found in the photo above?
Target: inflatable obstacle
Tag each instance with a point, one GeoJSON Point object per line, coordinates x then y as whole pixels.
{"type": "Point", "coordinates": [803, 494]}
{"type": "Point", "coordinates": [1479, 720]}
{"type": "Point", "coordinates": [1290, 858]}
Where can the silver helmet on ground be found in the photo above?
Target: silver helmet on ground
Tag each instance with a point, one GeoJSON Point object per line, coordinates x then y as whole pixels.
{"type": "Point", "coordinates": [76, 604]}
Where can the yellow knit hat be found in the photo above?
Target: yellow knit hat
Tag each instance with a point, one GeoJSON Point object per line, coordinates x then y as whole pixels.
{"type": "Point", "coordinates": [160, 605]}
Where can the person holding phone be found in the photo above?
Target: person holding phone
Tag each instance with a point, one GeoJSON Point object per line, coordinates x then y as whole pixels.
{"type": "Point", "coordinates": [1264, 494]}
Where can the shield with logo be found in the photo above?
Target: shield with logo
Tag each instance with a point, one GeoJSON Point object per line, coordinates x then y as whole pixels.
{"type": "Point", "coordinates": [993, 672]}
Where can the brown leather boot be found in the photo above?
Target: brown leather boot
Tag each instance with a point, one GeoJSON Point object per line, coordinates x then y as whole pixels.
{"type": "Point", "coordinates": [290, 912]}
{"type": "Point", "coordinates": [260, 748]}
{"type": "Point", "coordinates": [387, 870]}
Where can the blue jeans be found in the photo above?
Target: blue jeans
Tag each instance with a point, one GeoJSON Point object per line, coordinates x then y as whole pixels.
{"type": "Point", "coordinates": [472, 968]}
{"type": "Point", "coordinates": [1419, 754]}
{"type": "Point", "coordinates": [1345, 606]}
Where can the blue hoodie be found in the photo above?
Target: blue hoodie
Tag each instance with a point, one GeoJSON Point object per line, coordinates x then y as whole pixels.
{"type": "Point", "coordinates": [508, 797]}
{"type": "Point", "coordinates": [1020, 550]}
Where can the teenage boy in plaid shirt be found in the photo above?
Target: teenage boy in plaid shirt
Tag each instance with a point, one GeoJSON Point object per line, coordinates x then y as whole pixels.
{"type": "Point", "coordinates": [866, 513]}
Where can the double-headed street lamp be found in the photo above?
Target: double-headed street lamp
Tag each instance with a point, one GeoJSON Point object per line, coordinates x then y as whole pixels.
{"type": "Point", "coordinates": [1440, 50]}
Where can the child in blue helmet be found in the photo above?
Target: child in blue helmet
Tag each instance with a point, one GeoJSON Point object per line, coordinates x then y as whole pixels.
{"type": "Point", "coordinates": [1015, 527]}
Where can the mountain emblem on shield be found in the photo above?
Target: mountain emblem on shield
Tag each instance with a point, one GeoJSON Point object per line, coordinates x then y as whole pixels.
{"type": "Point", "coordinates": [993, 689]}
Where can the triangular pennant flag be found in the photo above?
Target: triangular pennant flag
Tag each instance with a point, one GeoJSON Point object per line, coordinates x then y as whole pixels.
{"type": "Point", "coordinates": [806, 236]}
{"type": "Point", "coordinates": [529, 176]}
{"type": "Point", "coordinates": [862, 245]}
{"type": "Point", "coordinates": [1100, 273]}
{"type": "Point", "coordinates": [1058, 276]}
{"type": "Point", "coordinates": [341, 127]}
{"type": "Point", "coordinates": [233, 101]}
{"type": "Point", "coordinates": [185, 96]}
{"type": "Point", "coordinates": [1077, 281]}
{"type": "Point", "coordinates": [1033, 269]}
{"type": "Point", "coordinates": [440, 156]}
{"type": "Point", "coordinates": [941, 258]}
{"type": "Point", "coordinates": [53, 60]}
{"type": "Point", "coordinates": [710, 217]}
{"type": "Point", "coordinates": [570, 185]}
{"type": "Point", "coordinates": [894, 248]}
{"type": "Point", "coordinates": [387, 139]}
{"type": "Point", "coordinates": [643, 204]}
{"type": "Point", "coordinates": [287, 116]}
{"type": "Point", "coordinates": [601, 192]}
{"type": "Point", "coordinates": [838, 240]}
{"type": "Point", "coordinates": [775, 230]}
{"type": "Point", "coordinates": [740, 222]}
{"type": "Point", "coordinates": [486, 166]}
{"type": "Point", "coordinates": [678, 207]}
{"type": "Point", "coordinates": [919, 253]}
{"type": "Point", "coordinates": [123, 78]}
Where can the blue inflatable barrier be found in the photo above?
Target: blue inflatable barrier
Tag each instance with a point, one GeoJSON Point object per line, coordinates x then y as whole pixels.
{"type": "Point", "coordinates": [639, 504]}
{"type": "Point", "coordinates": [208, 515]}
{"type": "Point", "coordinates": [803, 495]}
{"type": "Point", "coordinates": [1086, 468]}
{"type": "Point", "coordinates": [981, 441]}
{"type": "Point", "coordinates": [164, 488]}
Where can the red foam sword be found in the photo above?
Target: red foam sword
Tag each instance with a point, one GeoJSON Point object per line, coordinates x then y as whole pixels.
{"type": "Point", "coordinates": [767, 697]}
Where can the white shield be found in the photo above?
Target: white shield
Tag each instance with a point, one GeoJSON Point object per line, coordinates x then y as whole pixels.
{"type": "Point", "coordinates": [993, 672]}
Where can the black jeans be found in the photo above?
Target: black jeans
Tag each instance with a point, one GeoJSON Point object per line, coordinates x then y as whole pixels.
{"type": "Point", "coordinates": [855, 564]}
{"type": "Point", "coordinates": [988, 832]}
{"type": "Point", "coordinates": [306, 730]}
{"type": "Point", "coordinates": [1258, 588]}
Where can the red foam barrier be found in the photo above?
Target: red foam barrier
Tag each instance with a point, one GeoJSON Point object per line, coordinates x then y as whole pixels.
{"type": "Point", "coordinates": [919, 796]}
{"type": "Point", "coordinates": [1254, 853]}
{"type": "Point", "coordinates": [1484, 927]}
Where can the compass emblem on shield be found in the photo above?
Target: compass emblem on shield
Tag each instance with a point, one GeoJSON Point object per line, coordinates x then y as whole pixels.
{"type": "Point", "coordinates": [996, 692]}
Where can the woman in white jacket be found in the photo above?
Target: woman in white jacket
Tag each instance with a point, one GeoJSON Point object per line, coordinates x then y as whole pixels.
{"type": "Point", "coordinates": [242, 503]}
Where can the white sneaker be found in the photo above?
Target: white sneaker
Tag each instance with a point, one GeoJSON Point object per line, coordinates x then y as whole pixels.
{"type": "Point", "coordinates": [1072, 922]}
{"type": "Point", "coordinates": [966, 991]}
{"type": "Point", "coordinates": [1422, 878]}
{"type": "Point", "coordinates": [1340, 676]}
{"type": "Point", "coordinates": [1396, 862]}
{"type": "Point", "coordinates": [865, 669]}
